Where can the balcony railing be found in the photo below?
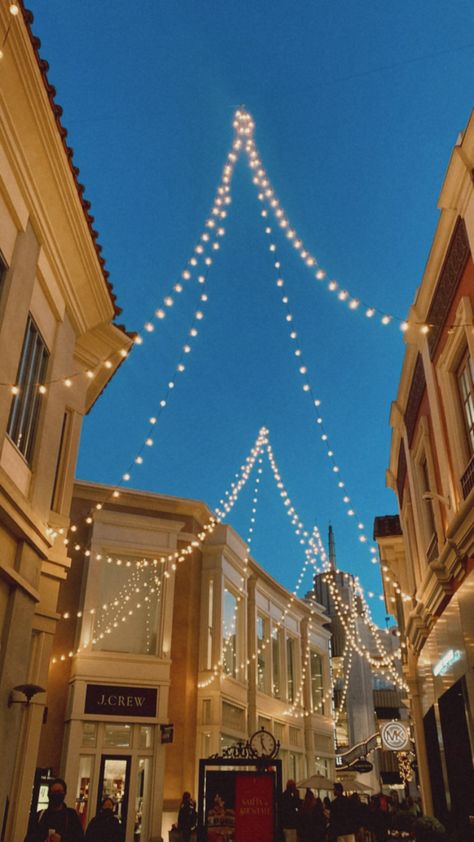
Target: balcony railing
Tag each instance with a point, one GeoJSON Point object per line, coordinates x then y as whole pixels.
{"type": "Point", "coordinates": [467, 479]}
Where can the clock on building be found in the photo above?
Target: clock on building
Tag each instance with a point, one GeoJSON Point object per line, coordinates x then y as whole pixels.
{"type": "Point", "coordinates": [264, 744]}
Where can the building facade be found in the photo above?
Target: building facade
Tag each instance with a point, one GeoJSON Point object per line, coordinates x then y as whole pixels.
{"type": "Point", "coordinates": [166, 606]}
{"type": "Point", "coordinates": [428, 553]}
{"type": "Point", "coordinates": [364, 699]}
{"type": "Point", "coordinates": [58, 349]}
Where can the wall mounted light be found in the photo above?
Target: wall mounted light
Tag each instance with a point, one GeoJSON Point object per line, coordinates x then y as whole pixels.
{"type": "Point", "coordinates": [28, 690]}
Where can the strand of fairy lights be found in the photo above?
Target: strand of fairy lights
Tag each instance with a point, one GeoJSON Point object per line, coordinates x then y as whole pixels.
{"type": "Point", "coordinates": [149, 439]}
{"type": "Point", "coordinates": [244, 125]}
{"type": "Point", "coordinates": [315, 401]}
{"type": "Point", "coordinates": [385, 660]}
{"type": "Point", "coordinates": [178, 556]}
{"type": "Point", "coordinates": [136, 585]}
{"type": "Point", "coordinates": [216, 669]}
{"type": "Point", "coordinates": [347, 666]}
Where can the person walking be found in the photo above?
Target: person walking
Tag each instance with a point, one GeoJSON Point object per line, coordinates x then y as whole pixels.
{"type": "Point", "coordinates": [58, 823]}
{"type": "Point", "coordinates": [187, 817]}
{"type": "Point", "coordinates": [105, 827]}
{"type": "Point", "coordinates": [313, 822]}
{"type": "Point", "coordinates": [290, 807]}
{"type": "Point", "coordinates": [342, 822]}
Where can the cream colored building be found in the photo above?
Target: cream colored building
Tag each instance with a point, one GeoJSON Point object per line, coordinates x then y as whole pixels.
{"type": "Point", "coordinates": [428, 552]}
{"type": "Point", "coordinates": [56, 323]}
{"type": "Point", "coordinates": [189, 647]}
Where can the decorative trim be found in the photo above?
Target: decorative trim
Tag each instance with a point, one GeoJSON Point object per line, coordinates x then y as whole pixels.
{"type": "Point", "coordinates": [451, 273]}
{"type": "Point", "coordinates": [417, 388]}
{"type": "Point", "coordinates": [401, 473]}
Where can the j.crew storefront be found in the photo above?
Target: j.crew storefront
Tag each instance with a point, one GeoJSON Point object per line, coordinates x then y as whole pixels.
{"type": "Point", "coordinates": [446, 667]}
{"type": "Point", "coordinates": [113, 747]}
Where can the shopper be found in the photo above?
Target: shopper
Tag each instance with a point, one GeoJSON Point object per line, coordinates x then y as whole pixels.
{"type": "Point", "coordinates": [290, 808]}
{"type": "Point", "coordinates": [187, 817]}
{"type": "Point", "coordinates": [342, 822]}
{"type": "Point", "coordinates": [105, 826]}
{"type": "Point", "coordinates": [58, 823]}
{"type": "Point", "coordinates": [312, 825]}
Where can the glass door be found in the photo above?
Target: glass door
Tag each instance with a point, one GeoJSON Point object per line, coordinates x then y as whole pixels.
{"type": "Point", "coordinates": [114, 781]}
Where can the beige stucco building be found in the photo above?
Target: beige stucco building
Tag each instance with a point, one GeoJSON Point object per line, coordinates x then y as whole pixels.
{"type": "Point", "coordinates": [428, 552]}
{"type": "Point", "coordinates": [210, 641]}
{"type": "Point", "coordinates": [57, 316]}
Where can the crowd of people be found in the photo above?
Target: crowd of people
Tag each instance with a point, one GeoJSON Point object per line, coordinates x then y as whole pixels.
{"type": "Point", "coordinates": [344, 819]}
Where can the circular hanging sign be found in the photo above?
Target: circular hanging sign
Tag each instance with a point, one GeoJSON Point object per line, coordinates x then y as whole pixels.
{"type": "Point", "coordinates": [395, 736]}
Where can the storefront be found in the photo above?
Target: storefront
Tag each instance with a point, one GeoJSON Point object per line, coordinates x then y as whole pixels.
{"type": "Point", "coordinates": [446, 669]}
{"type": "Point", "coordinates": [113, 747]}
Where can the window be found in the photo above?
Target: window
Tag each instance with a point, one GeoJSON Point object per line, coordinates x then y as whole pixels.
{"type": "Point", "coordinates": [229, 634]}
{"type": "Point", "coordinates": [276, 683]}
{"type": "Point", "coordinates": [60, 475]}
{"type": "Point", "coordinates": [261, 653]}
{"type": "Point", "coordinates": [290, 669]}
{"type": "Point", "coordinates": [233, 717]}
{"type": "Point", "coordinates": [465, 379]}
{"type": "Point", "coordinates": [210, 625]}
{"type": "Point", "coordinates": [317, 687]}
{"type": "Point", "coordinates": [24, 411]}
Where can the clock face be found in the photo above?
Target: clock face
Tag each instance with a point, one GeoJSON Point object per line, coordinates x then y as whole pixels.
{"type": "Point", "coordinates": [263, 743]}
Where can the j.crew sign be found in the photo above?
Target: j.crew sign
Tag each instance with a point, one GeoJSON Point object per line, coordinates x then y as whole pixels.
{"type": "Point", "coordinates": [110, 700]}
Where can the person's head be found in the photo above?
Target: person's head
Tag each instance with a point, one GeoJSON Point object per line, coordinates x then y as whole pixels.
{"type": "Point", "coordinates": [107, 804]}
{"type": "Point", "coordinates": [338, 789]}
{"type": "Point", "coordinates": [308, 799]}
{"type": "Point", "coordinates": [57, 792]}
{"type": "Point", "coordinates": [327, 801]}
{"type": "Point", "coordinates": [291, 785]}
{"type": "Point", "coordinates": [186, 797]}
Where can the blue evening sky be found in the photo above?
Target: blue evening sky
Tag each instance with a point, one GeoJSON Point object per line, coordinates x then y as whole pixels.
{"type": "Point", "coordinates": [357, 106]}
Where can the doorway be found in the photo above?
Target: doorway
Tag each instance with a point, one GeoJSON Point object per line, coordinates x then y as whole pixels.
{"type": "Point", "coordinates": [114, 781]}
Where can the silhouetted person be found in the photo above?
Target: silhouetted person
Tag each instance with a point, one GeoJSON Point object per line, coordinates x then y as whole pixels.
{"type": "Point", "coordinates": [313, 822]}
{"type": "Point", "coordinates": [58, 823]}
{"type": "Point", "coordinates": [105, 827]}
{"type": "Point", "coordinates": [187, 817]}
{"type": "Point", "coordinates": [342, 822]}
{"type": "Point", "coordinates": [290, 806]}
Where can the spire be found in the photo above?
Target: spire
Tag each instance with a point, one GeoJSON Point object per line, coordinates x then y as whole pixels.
{"type": "Point", "coordinates": [332, 549]}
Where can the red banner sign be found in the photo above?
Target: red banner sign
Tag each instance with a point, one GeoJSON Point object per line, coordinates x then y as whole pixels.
{"type": "Point", "coordinates": [254, 808]}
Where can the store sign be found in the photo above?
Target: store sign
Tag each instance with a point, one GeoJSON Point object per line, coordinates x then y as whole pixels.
{"type": "Point", "coordinates": [395, 736]}
{"type": "Point", "coordinates": [446, 662]}
{"type": "Point", "coordinates": [167, 734]}
{"type": "Point", "coordinates": [110, 700]}
{"type": "Point", "coordinates": [361, 766]}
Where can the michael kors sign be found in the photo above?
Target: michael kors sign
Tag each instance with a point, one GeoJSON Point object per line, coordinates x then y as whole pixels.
{"type": "Point", "coordinates": [110, 700]}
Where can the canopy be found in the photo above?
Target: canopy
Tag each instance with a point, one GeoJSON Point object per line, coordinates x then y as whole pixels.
{"type": "Point", "coordinates": [356, 786]}
{"type": "Point", "coordinates": [316, 782]}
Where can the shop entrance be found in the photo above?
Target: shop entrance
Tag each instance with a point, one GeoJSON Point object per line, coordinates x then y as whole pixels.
{"type": "Point", "coordinates": [114, 781]}
{"type": "Point", "coordinates": [457, 748]}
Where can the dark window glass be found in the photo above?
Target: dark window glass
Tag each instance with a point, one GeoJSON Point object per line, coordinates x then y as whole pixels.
{"type": "Point", "coordinates": [24, 412]}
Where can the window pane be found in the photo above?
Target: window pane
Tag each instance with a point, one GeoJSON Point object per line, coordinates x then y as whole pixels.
{"type": "Point", "coordinates": [82, 789]}
{"type": "Point", "coordinates": [25, 407]}
{"type": "Point", "coordinates": [117, 736]}
{"type": "Point", "coordinates": [130, 607]}
{"type": "Point", "coordinates": [229, 634]}
{"type": "Point", "coordinates": [233, 717]}
{"type": "Point", "coordinates": [290, 669]}
{"type": "Point", "coordinates": [276, 664]}
{"type": "Point", "coordinates": [89, 734]}
{"type": "Point", "coordinates": [466, 393]}
{"type": "Point", "coordinates": [261, 647]}
{"type": "Point", "coordinates": [317, 690]}
{"type": "Point", "coordinates": [145, 736]}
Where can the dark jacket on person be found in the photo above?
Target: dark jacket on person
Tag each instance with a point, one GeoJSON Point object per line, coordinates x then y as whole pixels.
{"type": "Point", "coordinates": [64, 821]}
{"type": "Point", "coordinates": [290, 806]}
{"type": "Point", "coordinates": [104, 827]}
{"type": "Point", "coordinates": [187, 817]}
{"type": "Point", "coordinates": [342, 820]}
{"type": "Point", "coordinates": [312, 824]}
